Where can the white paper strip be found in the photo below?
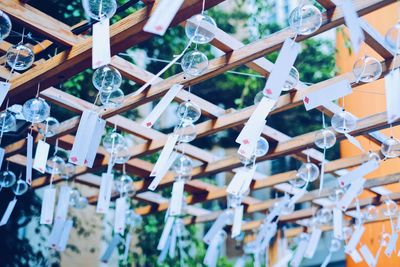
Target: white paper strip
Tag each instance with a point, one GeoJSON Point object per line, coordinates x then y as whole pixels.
{"type": "Point", "coordinates": [162, 17]}
{"type": "Point", "coordinates": [351, 193]}
{"type": "Point", "coordinates": [1, 156]}
{"type": "Point", "coordinates": [367, 255]}
{"type": "Point", "coordinates": [95, 142]}
{"type": "Point", "coordinates": [7, 213]}
{"type": "Point", "coordinates": [103, 201]}
{"type": "Point", "coordinates": [297, 197]}
{"type": "Point", "coordinates": [162, 172]}
{"type": "Point", "coordinates": [247, 149]}
{"type": "Point", "coordinates": [241, 181]}
{"type": "Point", "coordinates": [120, 213]}
{"type": "Point", "coordinates": [284, 261]}
{"type": "Point", "coordinates": [352, 22]}
{"type": "Point", "coordinates": [355, 239]}
{"type": "Point", "coordinates": [313, 243]}
{"type": "Point", "coordinates": [299, 254]}
{"type": "Point", "coordinates": [55, 233]}
{"type": "Point", "coordinates": [217, 226]}
{"type": "Point", "coordinates": [29, 155]}
{"type": "Point", "coordinates": [101, 52]}
{"type": "Point", "coordinates": [42, 152]}
{"type": "Point", "coordinates": [337, 224]}
{"type": "Point", "coordinates": [355, 256]}
{"type": "Point", "coordinates": [110, 249]}
{"type": "Point", "coordinates": [163, 254]}
{"type": "Point", "coordinates": [392, 244]}
{"type": "Point", "coordinates": [172, 243]}
{"type": "Point", "coordinates": [127, 246]}
{"type": "Point", "coordinates": [359, 172]}
{"type": "Point", "coordinates": [4, 87]}
{"type": "Point", "coordinates": [48, 203]}
{"type": "Point", "coordinates": [63, 203]}
{"type": "Point", "coordinates": [327, 94]}
{"type": "Point", "coordinates": [165, 233]}
{"type": "Point", "coordinates": [392, 87]}
{"type": "Point", "coordinates": [354, 141]}
{"type": "Point", "coordinates": [165, 154]}
{"type": "Point", "coordinates": [211, 256]}
{"type": "Point", "coordinates": [175, 203]}
{"type": "Point", "coordinates": [62, 243]}
{"type": "Point", "coordinates": [237, 221]}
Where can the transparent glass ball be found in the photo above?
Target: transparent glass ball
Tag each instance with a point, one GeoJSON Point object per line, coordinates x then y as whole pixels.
{"type": "Point", "coordinates": [124, 185]}
{"type": "Point", "coordinates": [325, 138]}
{"type": "Point", "coordinates": [344, 122]}
{"type": "Point", "coordinates": [297, 182]}
{"type": "Point", "coordinates": [82, 203]}
{"type": "Point", "coordinates": [304, 236]}
{"type": "Point", "coordinates": [258, 97]}
{"type": "Point", "coordinates": [200, 29]}
{"type": "Point", "coordinates": [246, 161]}
{"type": "Point", "coordinates": [36, 110]}
{"type": "Point", "coordinates": [106, 79]}
{"type": "Point", "coordinates": [305, 19]}
{"type": "Point", "coordinates": [7, 121]}
{"type": "Point", "coordinates": [7, 179]}
{"type": "Point", "coordinates": [122, 156]}
{"type": "Point", "coordinates": [336, 194]}
{"type": "Point", "coordinates": [5, 25]}
{"type": "Point", "coordinates": [55, 165]}
{"type": "Point", "coordinates": [336, 245]}
{"type": "Point", "coordinates": [20, 187]}
{"type": "Point", "coordinates": [113, 99]}
{"type": "Point", "coordinates": [324, 216]}
{"type": "Point", "coordinates": [183, 166]}
{"type": "Point", "coordinates": [371, 213]}
{"type": "Point", "coordinates": [367, 69]}
{"type": "Point", "coordinates": [389, 208]}
{"type": "Point", "coordinates": [74, 196]}
{"type": "Point", "coordinates": [16, 109]}
{"type": "Point", "coordinates": [261, 148]}
{"type": "Point", "coordinates": [194, 63]}
{"type": "Point", "coordinates": [20, 57]}
{"type": "Point", "coordinates": [392, 38]}
{"type": "Point", "coordinates": [114, 142]}
{"type": "Point", "coordinates": [68, 171]}
{"type": "Point", "coordinates": [187, 132]}
{"type": "Point", "coordinates": [49, 127]}
{"type": "Point", "coordinates": [309, 172]}
{"type": "Point", "coordinates": [292, 80]}
{"type": "Point", "coordinates": [188, 112]}
{"type": "Point", "coordinates": [132, 219]}
{"type": "Point", "coordinates": [374, 156]}
{"type": "Point", "coordinates": [99, 9]}
{"type": "Point", "coordinates": [390, 148]}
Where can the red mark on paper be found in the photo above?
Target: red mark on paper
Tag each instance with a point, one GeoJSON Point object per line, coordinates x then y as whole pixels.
{"type": "Point", "coordinates": [307, 100]}
{"type": "Point", "coordinates": [74, 159]}
{"type": "Point", "coordinates": [268, 91]}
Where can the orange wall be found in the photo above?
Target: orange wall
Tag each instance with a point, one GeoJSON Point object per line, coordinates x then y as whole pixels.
{"type": "Point", "coordinates": [363, 104]}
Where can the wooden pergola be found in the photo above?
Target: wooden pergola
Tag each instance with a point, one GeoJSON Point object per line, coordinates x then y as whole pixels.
{"type": "Point", "coordinates": [128, 32]}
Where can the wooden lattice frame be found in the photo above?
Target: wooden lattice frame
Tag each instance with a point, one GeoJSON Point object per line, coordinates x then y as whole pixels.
{"type": "Point", "coordinates": [129, 32]}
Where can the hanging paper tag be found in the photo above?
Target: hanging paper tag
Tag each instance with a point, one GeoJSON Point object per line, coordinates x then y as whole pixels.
{"type": "Point", "coordinates": [284, 261]}
{"type": "Point", "coordinates": [299, 254]}
{"type": "Point", "coordinates": [211, 256]}
{"type": "Point", "coordinates": [110, 249]}
{"type": "Point", "coordinates": [103, 201]}
{"type": "Point", "coordinates": [62, 243]}
{"type": "Point", "coordinates": [392, 90]}
{"type": "Point", "coordinates": [267, 235]}
{"type": "Point", "coordinates": [327, 94]}
{"type": "Point", "coordinates": [355, 256]}
{"type": "Point", "coordinates": [165, 154]}
{"type": "Point", "coordinates": [4, 87]}
{"type": "Point", "coordinates": [240, 181]}
{"type": "Point", "coordinates": [42, 152]}
{"type": "Point", "coordinates": [313, 243]}
{"type": "Point", "coordinates": [247, 150]}
{"type": "Point", "coordinates": [355, 187]}
{"type": "Point", "coordinates": [353, 24]}
{"type": "Point", "coordinates": [1, 156]}
{"type": "Point", "coordinates": [280, 72]}
{"type": "Point", "coordinates": [48, 203]}
{"type": "Point", "coordinates": [55, 233]}
{"type": "Point", "coordinates": [127, 246]}
{"type": "Point", "coordinates": [120, 213]}
{"type": "Point", "coordinates": [95, 142]}
{"type": "Point", "coordinates": [337, 224]}
{"type": "Point", "coordinates": [101, 52]}
{"type": "Point", "coordinates": [162, 17]}
{"type": "Point", "coordinates": [354, 141]}
{"type": "Point", "coordinates": [217, 226]}
{"type": "Point", "coordinates": [161, 106]}
{"type": "Point", "coordinates": [367, 255]}
{"type": "Point", "coordinates": [361, 171]}
{"type": "Point", "coordinates": [7, 213]}
{"type": "Point", "coordinates": [297, 197]}
{"type": "Point", "coordinates": [277, 209]}
{"type": "Point", "coordinates": [163, 254]}
{"type": "Point", "coordinates": [162, 172]}
{"type": "Point", "coordinates": [165, 233]}
{"type": "Point", "coordinates": [241, 262]}
{"type": "Point", "coordinates": [63, 203]}
{"type": "Point", "coordinates": [355, 238]}
{"type": "Point", "coordinates": [172, 244]}
{"type": "Point", "coordinates": [237, 221]}
{"type": "Point", "coordinates": [29, 155]}
{"type": "Point", "coordinates": [392, 244]}
{"type": "Point", "coordinates": [175, 203]}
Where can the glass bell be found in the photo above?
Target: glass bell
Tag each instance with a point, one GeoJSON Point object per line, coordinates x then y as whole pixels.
{"type": "Point", "coordinates": [367, 69]}
{"type": "Point", "coordinates": [325, 138]}
{"type": "Point", "coordinates": [20, 57]}
{"type": "Point", "coordinates": [20, 187]}
{"type": "Point", "coordinates": [124, 185]}
{"type": "Point", "coordinates": [55, 165]}
{"type": "Point", "coordinates": [5, 25]}
{"type": "Point", "coordinates": [99, 9]}
{"type": "Point", "coordinates": [183, 166]}
{"type": "Point", "coordinates": [49, 127]}
{"type": "Point", "coordinates": [7, 121]}
{"type": "Point", "coordinates": [36, 110]}
{"type": "Point", "coordinates": [122, 156]}
{"type": "Point", "coordinates": [392, 37]}
{"type": "Point", "coordinates": [309, 172]}
{"type": "Point", "coordinates": [132, 219]}
{"type": "Point", "coordinates": [336, 245]}
{"type": "Point", "coordinates": [187, 132]}
{"type": "Point", "coordinates": [374, 156]}
{"type": "Point", "coordinates": [114, 142]}
{"type": "Point", "coordinates": [261, 148]}
{"type": "Point", "coordinates": [324, 216]}
{"type": "Point", "coordinates": [188, 112]}
{"type": "Point", "coordinates": [200, 29]}
{"type": "Point", "coordinates": [107, 79]}
{"type": "Point", "coordinates": [247, 161]}
{"type": "Point", "coordinates": [297, 182]}
{"type": "Point", "coordinates": [258, 97]}
{"type": "Point", "coordinates": [292, 80]}
{"type": "Point", "coordinates": [7, 179]}
{"type": "Point", "coordinates": [390, 148]}
{"type": "Point", "coordinates": [336, 194]}
{"type": "Point", "coordinates": [389, 209]}
{"type": "Point", "coordinates": [194, 63]}
{"type": "Point", "coordinates": [305, 19]}
{"type": "Point", "coordinates": [68, 171]}
{"type": "Point", "coordinates": [82, 203]}
{"type": "Point", "coordinates": [74, 196]}
{"type": "Point", "coordinates": [344, 122]}
{"type": "Point", "coordinates": [113, 99]}
{"type": "Point", "coordinates": [371, 213]}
